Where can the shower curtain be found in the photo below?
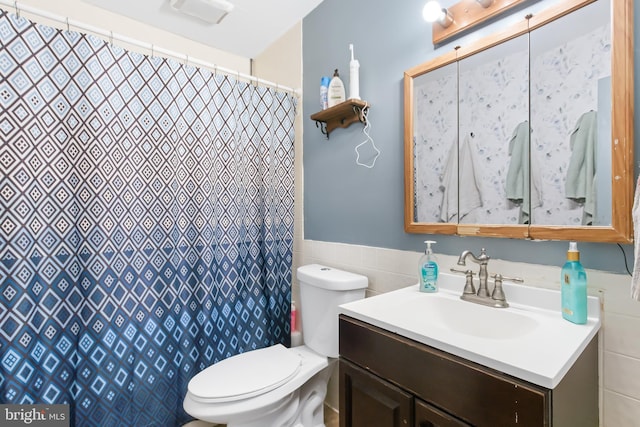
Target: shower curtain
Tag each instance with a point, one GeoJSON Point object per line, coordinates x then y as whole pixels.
{"type": "Point", "coordinates": [146, 224]}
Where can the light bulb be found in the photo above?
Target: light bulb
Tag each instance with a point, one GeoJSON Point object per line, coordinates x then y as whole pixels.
{"type": "Point", "coordinates": [432, 11]}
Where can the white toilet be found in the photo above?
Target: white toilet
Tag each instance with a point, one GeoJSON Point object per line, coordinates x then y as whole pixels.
{"type": "Point", "coordinates": [278, 386]}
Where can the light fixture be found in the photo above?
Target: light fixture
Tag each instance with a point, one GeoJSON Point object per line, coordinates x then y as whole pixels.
{"type": "Point", "coordinates": [210, 11]}
{"type": "Point", "coordinates": [433, 12]}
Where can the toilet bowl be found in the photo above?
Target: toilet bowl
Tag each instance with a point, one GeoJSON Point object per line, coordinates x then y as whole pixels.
{"type": "Point", "coordinates": [278, 386]}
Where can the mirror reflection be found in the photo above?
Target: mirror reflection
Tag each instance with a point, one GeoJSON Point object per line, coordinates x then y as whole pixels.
{"type": "Point", "coordinates": [435, 145]}
{"type": "Point", "coordinates": [494, 135]}
{"type": "Point", "coordinates": [571, 117]}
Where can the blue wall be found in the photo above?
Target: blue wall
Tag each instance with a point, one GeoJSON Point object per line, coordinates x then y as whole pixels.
{"type": "Point", "coordinates": [347, 203]}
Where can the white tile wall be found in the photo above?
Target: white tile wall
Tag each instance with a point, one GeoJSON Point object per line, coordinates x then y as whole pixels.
{"type": "Point", "coordinates": [619, 337]}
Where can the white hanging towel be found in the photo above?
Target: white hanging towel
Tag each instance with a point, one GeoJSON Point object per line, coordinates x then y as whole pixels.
{"type": "Point", "coordinates": [460, 182]}
{"type": "Point", "coordinates": [635, 213]}
{"type": "Point", "coordinates": [469, 188]}
{"type": "Point", "coordinates": [449, 186]}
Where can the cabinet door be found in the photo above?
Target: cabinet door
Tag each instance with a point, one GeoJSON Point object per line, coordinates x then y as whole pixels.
{"type": "Point", "coordinates": [430, 416]}
{"type": "Point", "coordinates": [366, 400]}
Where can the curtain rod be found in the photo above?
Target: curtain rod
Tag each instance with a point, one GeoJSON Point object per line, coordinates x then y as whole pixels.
{"type": "Point", "coordinates": [110, 36]}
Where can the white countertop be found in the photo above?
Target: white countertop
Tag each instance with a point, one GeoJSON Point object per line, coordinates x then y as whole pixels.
{"type": "Point", "coordinates": [528, 340]}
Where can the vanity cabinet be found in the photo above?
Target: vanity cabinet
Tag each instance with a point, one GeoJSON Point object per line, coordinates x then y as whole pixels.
{"type": "Point", "coordinates": [390, 380]}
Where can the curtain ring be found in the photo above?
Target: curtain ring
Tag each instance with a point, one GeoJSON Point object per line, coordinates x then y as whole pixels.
{"type": "Point", "coordinates": [68, 28]}
{"type": "Point", "coordinates": [15, 5]}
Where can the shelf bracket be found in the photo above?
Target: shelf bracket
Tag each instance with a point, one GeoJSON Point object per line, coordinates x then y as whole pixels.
{"type": "Point", "coordinates": [323, 127]}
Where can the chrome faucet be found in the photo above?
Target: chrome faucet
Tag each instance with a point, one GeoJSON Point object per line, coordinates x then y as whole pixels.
{"type": "Point", "coordinates": [496, 298]}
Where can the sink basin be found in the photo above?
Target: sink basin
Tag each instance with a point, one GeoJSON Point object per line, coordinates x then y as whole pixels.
{"type": "Point", "coordinates": [529, 339]}
{"type": "Point", "coordinates": [475, 320]}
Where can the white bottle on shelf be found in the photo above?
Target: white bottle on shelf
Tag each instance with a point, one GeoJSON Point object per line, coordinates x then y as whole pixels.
{"type": "Point", "coordinates": [336, 90]}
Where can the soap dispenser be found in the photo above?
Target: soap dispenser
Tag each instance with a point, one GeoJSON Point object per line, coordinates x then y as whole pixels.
{"type": "Point", "coordinates": [574, 287]}
{"type": "Point", "coordinates": [428, 270]}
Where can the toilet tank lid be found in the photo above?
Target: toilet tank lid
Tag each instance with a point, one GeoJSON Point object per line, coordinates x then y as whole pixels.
{"type": "Point", "coordinates": [331, 278]}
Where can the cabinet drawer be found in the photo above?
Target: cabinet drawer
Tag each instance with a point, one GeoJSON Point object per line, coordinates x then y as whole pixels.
{"type": "Point", "coordinates": [477, 395]}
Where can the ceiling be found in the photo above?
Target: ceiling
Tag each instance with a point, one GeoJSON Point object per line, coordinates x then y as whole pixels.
{"type": "Point", "coordinates": [247, 31]}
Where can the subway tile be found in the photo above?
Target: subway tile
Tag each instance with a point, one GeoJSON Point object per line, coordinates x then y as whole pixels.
{"type": "Point", "coordinates": [382, 281]}
{"type": "Point", "coordinates": [618, 296]}
{"type": "Point", "coordinates": [621, 374]}
{"type": "Point", "coordinates": [621, 334]}
{"type": "Point", "coordinates": [620, 411]}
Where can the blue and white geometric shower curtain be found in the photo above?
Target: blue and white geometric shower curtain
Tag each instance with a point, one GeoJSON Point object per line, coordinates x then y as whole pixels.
{"type": "Point", "coordinates": [146, 224]}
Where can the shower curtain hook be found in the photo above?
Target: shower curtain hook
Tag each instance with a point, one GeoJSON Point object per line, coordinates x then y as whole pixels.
{"type": "Point", "coordinates": [152, 53]}
{"type": "Point", "coordinates": [68, 28]}
{"type": "Point", "coordinates": [186, 59]}
{"type": "Point", "coordinates": [15, 4]}
{"type": "Point", "coordinates": [111, 38]}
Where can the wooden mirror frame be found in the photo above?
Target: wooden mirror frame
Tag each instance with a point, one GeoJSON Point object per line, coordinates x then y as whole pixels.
{"type": "Point", "coordinates": [622, 94]}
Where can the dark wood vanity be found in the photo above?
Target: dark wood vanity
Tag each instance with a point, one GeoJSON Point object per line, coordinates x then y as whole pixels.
{"type": "Point", "coordinates": [390, 380]}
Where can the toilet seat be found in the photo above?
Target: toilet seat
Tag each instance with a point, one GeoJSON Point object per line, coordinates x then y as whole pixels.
{"type": "Point", "coordinates": [245, 375]}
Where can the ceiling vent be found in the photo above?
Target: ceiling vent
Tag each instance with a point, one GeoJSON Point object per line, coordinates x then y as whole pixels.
{"type": "Point", "coordinates": [210, 11]}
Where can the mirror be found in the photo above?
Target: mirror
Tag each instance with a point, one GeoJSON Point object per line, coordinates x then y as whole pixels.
{"type": "Point", "coordinates": [493, 121]}
{"type": "Point", "coordinates": [435, 141]}
{"type": "Point", "coordinates": [570, 111]}
{"type": "Point", "coordinates": [514, 165]}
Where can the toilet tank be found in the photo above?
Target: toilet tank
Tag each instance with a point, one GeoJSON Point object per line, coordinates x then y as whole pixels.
{"type": "Point", "coordinates": [322, 290]}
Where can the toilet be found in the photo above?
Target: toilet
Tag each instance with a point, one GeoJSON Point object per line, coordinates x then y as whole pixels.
{"type": "Point", "coordinates": [278, 386]}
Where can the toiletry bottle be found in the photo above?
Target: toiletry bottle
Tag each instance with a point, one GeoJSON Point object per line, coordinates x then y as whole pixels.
{"type": "Point", "coordinates": [428, 270]}
{"type": "Point", "coordinates": [294, 316]}
{"type": "Point", "coordinates": [574, 287]}
{"type": "Point", "coordinates": [324, 92]}
{"type": "Point", "coordinates": [336, 90]}
{"type": "Point", "coordinates": [354, 77]}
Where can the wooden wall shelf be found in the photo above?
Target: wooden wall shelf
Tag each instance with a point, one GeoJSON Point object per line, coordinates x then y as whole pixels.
{"type": "Point", "coordinates": [341, 115]}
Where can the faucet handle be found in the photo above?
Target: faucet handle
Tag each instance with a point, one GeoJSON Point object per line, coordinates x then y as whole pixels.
{"type": "Point", "coordinates": [509, 279]}
{"type": "Point", "coordinates": [498, 292]}
{"type": "Point", "coordinates": [468, 284]}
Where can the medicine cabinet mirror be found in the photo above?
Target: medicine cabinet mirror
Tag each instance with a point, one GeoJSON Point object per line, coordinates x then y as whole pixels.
{"type": "Point", "coordinates": [527, 133]}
